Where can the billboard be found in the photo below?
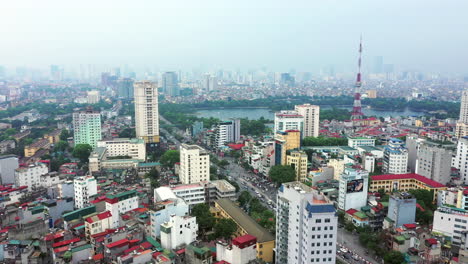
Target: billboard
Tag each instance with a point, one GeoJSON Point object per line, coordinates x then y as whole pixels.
{"type": "Point", "coordinates": [355, 186]}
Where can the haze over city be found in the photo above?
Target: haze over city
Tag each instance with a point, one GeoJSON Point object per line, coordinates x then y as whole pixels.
{"type": "Point", "coordinates": [425, 36]}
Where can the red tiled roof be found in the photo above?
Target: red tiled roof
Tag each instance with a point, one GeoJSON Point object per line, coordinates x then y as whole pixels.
{"type": "Point", "coordinates": [236, 146]}
{"type": "Point", "coordinates": [98, 256]}
{"type": "Point", "coordinates": [53, 236]}
{"type": "Point", "coordinates": [243, 239]}
{"type": "Point", "coordinates": [351, 211]}
{"type": "Point", "coordinates": [180, 251]}
{"type": "Point", "coordinates": [108, 231]}
{"type": "Point", "coordinates": [66, 242]}
{"type": "Point", "coordinates": [100, 216]}
{"type": "Point", "coordinates": [432, 241]}
{"type": "Point", "coordinates": [415, 176]}
{"type": "Point", "coordinates": [118, 243]}
{"type": "Point", "coordinates": [61, 249]}
{"type": "Point", "coordinates": [410, 226]}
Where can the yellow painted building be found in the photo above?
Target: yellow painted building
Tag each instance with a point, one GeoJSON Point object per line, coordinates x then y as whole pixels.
{"type": "Point", "coordinates": [404, 182]}
{"type": "Point", "coordinates": [290, 140]}
{"type": "Point", "coordinates": [371, 94]}
{"type": "Point", "coordinates": [225, 208]}
{"type": "Point", "coordinates": [31, 149]}
{"type": "Point", "coordinates": [419, 123]}
{"type": "Point", "coordinates": [338, 167]}
{"type": "Point", "coordinates": [298, 160]}
{"type": "Point", "coordinates": [53, 136]}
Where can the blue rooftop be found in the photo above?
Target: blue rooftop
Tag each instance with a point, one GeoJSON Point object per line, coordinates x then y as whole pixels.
{"type": "Point", "coordinates": [320, 208]}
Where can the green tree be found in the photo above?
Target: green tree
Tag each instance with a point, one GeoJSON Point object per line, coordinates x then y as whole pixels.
{"type": "Point", "coordinates": [223, 163]}
{"type": "Point", "coordinates": [282, 173]}
{"type": "Point", "coordinates": [127, 133]}
{"type": "Point", "coordinates": [394, 257]}
{"type": "Point", "coordinates": [61, 146]}
{"type": "Point", "coordinates": [349, 226]}
{"type": "Point", "coordinates": [64, 135]}
{"type": "Point", "coordinates": [225, 228]}
{"type": "Point", "coordinates": [82, 151]}
{"type": "Point", "coordinates": [205, 219]}
{"type": "Point", "coordinates": [153, 176]}
{"type": "Point", "coordinates": [169, 158]}
{"type": "Point", "coordinates": [244, 198]}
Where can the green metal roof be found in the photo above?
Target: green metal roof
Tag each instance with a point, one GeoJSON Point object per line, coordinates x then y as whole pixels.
{"type": "Point", "coordinates": [79, 213]}
{"type": "Point", "coordinates": [360, 215]}
{"type": "Point", "coordinates": [83, 247]}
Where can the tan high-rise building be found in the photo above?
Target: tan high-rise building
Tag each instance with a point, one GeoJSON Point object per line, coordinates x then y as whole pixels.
{"type": "Point", "coordinates": [285, 141]}
{"type": "Point", "coordinates": [146, 111]}
{"type": "Point", "coordinates": [311, 114]}
{"type": "Point", "coordinates": [298, 160]}
{"type": "Point", "coordinates": [194, 164]}
{"type": "Point", "coordinates": [461, 129]}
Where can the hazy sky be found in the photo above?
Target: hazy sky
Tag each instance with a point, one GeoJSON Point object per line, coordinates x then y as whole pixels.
{"type": "Point", "coordinates": [245, 34]}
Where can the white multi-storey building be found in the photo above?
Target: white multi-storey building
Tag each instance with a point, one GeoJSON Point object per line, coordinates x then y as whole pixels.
{"type": "Point", "coordinates": [227, 131]}
{"type": "Point", "coordinates": [306, 226]}
{"type": "Point", "coordinates": [166, 204]}
{"type": "Point", "coordinates": [194, 164]}
{"type": "Point", "coordinates": [31, 175]}
{"type": "Point", "coordinates": [289, 120]}
{"type": "Point", "coordinates": [192, 194]}
{"type": "Point", "coordinates": [98, 223]}
{"type": "Point", "coordinates": [451, 222]}
{"type": "Point", "coordinates": [353, 188]}
{"type": "Point", "coordinates": [121, 203]}
{"type": "Point", "coordinates": [311, 114]}
{"type": "Point", "coordinates": [132, 147]}
{"type": "Point", "coordinates": [356, 142]}
{"type": "Point", "coordinates": [242, 250]}
{"type": "Point", "coordinates": [85, 187]}
{"type": "Point", "coordinates": [146, 111]}
{"type": "Point", "coordinates": [87, 127]}
{"type": "Point", "coordinates": [8, 165]}
{"type": "Point", "coordinates": [434, 162]}
{"type": "Point", "coordinates": [395, 159]}
{"type": "Point", "coordinates": [462, 124]}
{"type": "Point", "coordinates": [178, 231]}
{"type": "Point", "coordinates": [461, 159]}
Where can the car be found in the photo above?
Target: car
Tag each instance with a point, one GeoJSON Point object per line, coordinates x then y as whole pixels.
{"type": "Point", "coordinates": [355, 257]}
{"type": "Point", "coordinates": [344, 250]}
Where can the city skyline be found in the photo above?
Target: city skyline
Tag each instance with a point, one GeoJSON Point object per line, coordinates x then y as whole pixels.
{"type": "Point", "coordinates": [305, 36]}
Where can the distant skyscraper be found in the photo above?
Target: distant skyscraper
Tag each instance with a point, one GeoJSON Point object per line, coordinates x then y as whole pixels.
{"type": "Point", "coordinates": [289, 120]}
{"type": "Point", "coordinates": [311, 114]}
{"type": "Point", "coordinates": [170, 84]}
{"type": "Point", "coordinates": [93, 97]}
{"type": "Point", "coordinates": [55, 72]}
{"type": "Point", "coordinates": [461, 129]}
{"type": "Point", "coordinates": [378, 65]}
{"type": "Point", "coordinates": [146, 111]}
{"type": "Point", "coordinates": [87, 127]}
{"type": "Point", "coordinates": [125, 88]}
{"type": "Point", "coordinates": [210, 83]}
{"type": "Point", "coordinates": [287, 79]}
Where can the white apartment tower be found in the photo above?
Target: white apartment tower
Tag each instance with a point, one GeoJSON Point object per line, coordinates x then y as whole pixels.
{"type": "Point", "coordinates": [462, 124]}
{"type": "Point", "coordinates": [289, 120]}
{"type": "Point", "coordinates": [31, 175]}
{"type": "Point", "coordinates": [194, 164]}
{"type": "Point", "coordinates": [85, 187]}
{"type": "Point", "coordinates": [227, 131]}
{"type": "Point", "coordinates": [434, 162]}
{"type": "Point", "coordinates": [395, 159]}
{"type": "Point", "coordinates": [306, 226]}
{"type": "Point", "coordinates": [146, 111]}
{"type": "Point", "coordinates": [311, 114]}
{"type": "Point", "coordinates": [461, 159]}
{"type": "Point", "coordinates": [87, 127]}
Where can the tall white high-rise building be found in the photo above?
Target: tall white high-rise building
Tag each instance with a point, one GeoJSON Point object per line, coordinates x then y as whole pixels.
{"type": "Point", "coordinates": [289, 120]}
{"type": "Point", "coordinates": [461, 159]}
{"type": "Point", "coordinates": [85, 187]}
{"type": "Point", "coordinates": [311, 114]}
{"type": "Point", "coordinates": [395, 159]}
{"type": "Point", "coordinates": [146, 111]}
{"type": "Point", "coordinates": [87, 127]}
{"type": "Point", "coordinates": [461, 129]}
{"type": "Point", "coordinates": [170, 84]}
{"type": "Point", "coordinates": [227, 131]}
{"type": "Point", "coordinates": [194, 164]}
{"type": "Point", "coordinates": [306, 226]}
{"type": "Point", "coordinates": [434, 161]}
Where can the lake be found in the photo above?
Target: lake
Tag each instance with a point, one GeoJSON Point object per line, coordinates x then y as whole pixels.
{"type": "Point", "coordinates": [256, 113]}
